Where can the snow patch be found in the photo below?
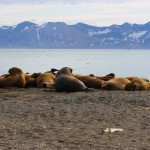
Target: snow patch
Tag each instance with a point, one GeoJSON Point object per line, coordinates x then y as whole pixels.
{"type": "Point", "coordinates": [92, 45]}
{"type": "Point", "coordinates": [26, 28]}
{"type": "Point", "coordinates": [3, 27]}
{"type": "Point", "coordinates": [54, 28]}
{"type": "Point", "coordinates": [103, 40]}
{"type": "Point", "coordinates": [110, 39]}
{"type": "Point", "coordinates": [105, 31]}
{"type": "Point", "coordinates": [42, 26]}
{"type": "Point", "coordinates": [137, 35]}
{"type": "Point", "coordinates": [38, 36]}
{"type": "Point", "coordinates": [14, 27]}
{"type": "Point", "coordinates": [91, 32]}
{"type": "Point", "coordinates": [107, 39]}
{"type": "Point", "coordinates": [148, 36]}
{"type": "Point", "coordinates": [61, 36]}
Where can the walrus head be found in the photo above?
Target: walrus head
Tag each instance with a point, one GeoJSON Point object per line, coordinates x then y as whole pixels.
{"type": "Point", "coordinates": [54, 70]}
{"type": "Point", "coordinates": [133, 87]}
{"type": "Point", "coordinates": [15, 70]}
{"type": "Point", "coordinates": [109, 86]}
{"type": "Point", "coordinates": [35, 75]}
{"type": "Point", "coordinates": [65, 70]}
{"type": "Point", "coordinates": [92, 75]}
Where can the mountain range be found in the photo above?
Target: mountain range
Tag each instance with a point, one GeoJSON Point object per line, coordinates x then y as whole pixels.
{"type": "Point", "coordinates": [79, 36]}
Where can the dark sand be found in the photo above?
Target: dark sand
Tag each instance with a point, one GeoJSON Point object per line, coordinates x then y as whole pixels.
{"type": "Point", "coordinates": [35, 119]}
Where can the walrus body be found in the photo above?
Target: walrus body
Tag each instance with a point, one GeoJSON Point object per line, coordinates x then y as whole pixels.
{"type": "Point", "coordinates": [46, 80]}
{"type": "Point", "coordinates": [31, 79]}
{"type": "Point", "coordinates": [5, 75]}
{"type": "Point", "coordinates": [104, 78]}
{"type": "Point", "coordinates": [65, 81]}
{"type": "Point", "coordinates": [138, 84]}
{"type": "Point", "coordinates": [91, 82]}
{"type": "Point", "coordinates": [131, 78]}
{"type": "Point", "coordinates": [15, 78]}
{"type": "Point", "coordinates": [116, 84]}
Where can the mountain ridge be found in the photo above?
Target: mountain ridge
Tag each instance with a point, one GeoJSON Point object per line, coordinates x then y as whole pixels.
{"type": "Point", "coordinates": [60, 35]}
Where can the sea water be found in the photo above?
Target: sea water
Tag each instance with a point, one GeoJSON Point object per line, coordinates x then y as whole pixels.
{"type": "Point", "coordinates": [98, 62]}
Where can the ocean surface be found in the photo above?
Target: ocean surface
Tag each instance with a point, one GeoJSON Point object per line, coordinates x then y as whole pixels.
{"type": "Point", "coordinates": [99, 62]}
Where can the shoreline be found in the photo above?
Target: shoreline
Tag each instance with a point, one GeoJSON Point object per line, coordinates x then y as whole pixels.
{"type": "Point", "coordinates": [35, 118]}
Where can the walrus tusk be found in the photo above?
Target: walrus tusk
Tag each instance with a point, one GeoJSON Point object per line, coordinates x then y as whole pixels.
{"type": "Point", "coordinates": [111, 130]}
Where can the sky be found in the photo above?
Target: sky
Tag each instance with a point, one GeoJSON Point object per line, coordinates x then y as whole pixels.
{"type": "Point", "coordinates": [92, 12]}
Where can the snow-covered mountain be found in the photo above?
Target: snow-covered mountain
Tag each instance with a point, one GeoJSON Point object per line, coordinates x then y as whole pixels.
{"type": "Point", "coordinates": [61, 35]}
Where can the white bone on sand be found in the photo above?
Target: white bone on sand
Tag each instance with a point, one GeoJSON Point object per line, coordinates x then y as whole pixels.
{"type": "Point", "coordinates": [111, 130]}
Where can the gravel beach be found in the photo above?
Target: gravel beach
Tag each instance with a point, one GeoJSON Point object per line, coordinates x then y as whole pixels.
{"type": "Point", "coordinates": [39, 119]}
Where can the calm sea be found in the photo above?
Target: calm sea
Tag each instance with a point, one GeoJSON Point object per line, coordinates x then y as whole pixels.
{"type": "Point", "coordinates": [99, 62]}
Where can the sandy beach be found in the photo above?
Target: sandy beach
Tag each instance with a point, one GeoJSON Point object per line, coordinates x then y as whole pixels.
{"type": "Point", "coordinates": [39, 119]}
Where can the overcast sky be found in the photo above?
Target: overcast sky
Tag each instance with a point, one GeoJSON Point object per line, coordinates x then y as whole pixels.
{"type": "Point", "coordinates": [93, 12]}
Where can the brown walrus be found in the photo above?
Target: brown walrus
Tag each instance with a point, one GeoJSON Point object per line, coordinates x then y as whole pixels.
{"type": "Point", "coordinates": [91, 82]}
{"type": "Point", "coordinates": [15, 78]}
{"type": "Point", "coordinates": [46, 80]}
{"type": "Point", "coordinates": [131, 78]}
{"type": "Point", "coordinates": [31, 79]}
{"type": "Point", "coordinates": [105, 78]}
{"type": "Point", "coordinates": [138, 84]}
{"type": "Point", "coordinates": [65, 81]}
{"type": "Point", "coordinates": [116, 84]}
{"type": "Point", "coordinates": [5, 75]}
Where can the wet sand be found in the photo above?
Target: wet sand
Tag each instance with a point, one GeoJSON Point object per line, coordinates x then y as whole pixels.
{"type": "Point", "coordinates": [38, 119]}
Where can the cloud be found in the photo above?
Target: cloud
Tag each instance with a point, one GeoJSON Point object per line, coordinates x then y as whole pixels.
{"type": "Point", "coordinates": [98, 12]}
{"type": "Point", "coordinates": [67, 1]}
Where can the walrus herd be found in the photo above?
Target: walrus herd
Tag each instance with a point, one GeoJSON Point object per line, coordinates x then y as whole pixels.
{"type": "Point", "coordinates": [65, 80]}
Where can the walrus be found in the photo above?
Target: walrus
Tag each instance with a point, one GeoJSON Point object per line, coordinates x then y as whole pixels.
{"type": "Point", "coordinates": [65, 81]}
{"type": "Point", "coordinates": [91, 82]}
{"type": "Point", "coordinates": [46, 80]}
{"type": "Point", "coordinates": [116, 84]}
{"type": "Point", "coordinates": [31, 79]}
{"type": "Point", "coordinates": [131, 78]}
{"type": "Point", "coordinates": [5, 75]}
{"type": "Point", "coordinates": [105, 78]}
{"type": "Point", "coordinates": [15, 78]}
{"type": "Point", "coordinates": [137, 84]}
